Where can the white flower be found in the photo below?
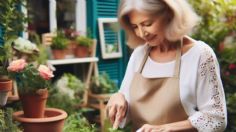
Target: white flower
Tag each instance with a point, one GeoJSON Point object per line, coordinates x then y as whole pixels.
{"type": "Point", "coordinates": [25, 46]}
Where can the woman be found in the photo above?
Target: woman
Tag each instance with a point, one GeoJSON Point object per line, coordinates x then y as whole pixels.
{"type": "Point", "coordinates": [172, 82]}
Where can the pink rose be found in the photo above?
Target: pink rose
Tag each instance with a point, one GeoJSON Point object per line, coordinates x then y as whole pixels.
{"type": "Point", "coordinates": [45, 72]}
{"type": "Point", "coordinates": [17, 65]}
{"type": "Point", "coordinates": [232, 66]}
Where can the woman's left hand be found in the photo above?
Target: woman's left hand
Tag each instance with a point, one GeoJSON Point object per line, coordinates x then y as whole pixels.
{"type": "Point", "coordinates": [154, 128]}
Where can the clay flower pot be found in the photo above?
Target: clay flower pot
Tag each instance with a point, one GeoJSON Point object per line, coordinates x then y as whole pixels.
{"type": "Point", "coordinates": [82, 51]}
{"type": "Point", "coordinates": [34, 104]}
{"type": "Point", "coordinates": [59, 54]}
{"type": "Point", "coordinates": [53, 121]}
{"type": "Point", "coordinates": [5, 87]}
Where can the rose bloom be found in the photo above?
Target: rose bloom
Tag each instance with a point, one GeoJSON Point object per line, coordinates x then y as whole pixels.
{"type": "Point", "coordinates": [17, 65]}
{"type": "Point", "coordinates": [232, 66]}
{"type": "Point", "coordinates": [45, 72]}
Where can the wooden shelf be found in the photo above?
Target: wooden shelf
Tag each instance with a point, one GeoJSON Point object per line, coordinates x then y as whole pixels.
{"type": "Point", "coordinates": [73, 61]}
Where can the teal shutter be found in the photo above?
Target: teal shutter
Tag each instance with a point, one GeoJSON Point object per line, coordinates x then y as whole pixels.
{"type": "Point", "coordinates": [106, 9]}
{"type": "Point", "coordinates": [1, 35]}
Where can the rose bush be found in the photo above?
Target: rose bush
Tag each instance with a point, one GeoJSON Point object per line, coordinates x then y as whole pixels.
{"type": "Point", "coordinates": [29, 77]}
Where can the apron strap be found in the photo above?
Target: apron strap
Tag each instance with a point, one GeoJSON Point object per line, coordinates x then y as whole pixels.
{"type": "Point", "coordinates": [144, 60]}
{"type": "Point", "coordinates": [178, 60]}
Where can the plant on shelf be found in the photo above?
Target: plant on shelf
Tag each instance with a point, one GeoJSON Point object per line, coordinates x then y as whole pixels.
{"type": "Point", "coordinates": [102, 84]}
{"type": "Point", "coordinates": [71, 34]}
{"type": "Point", "coordinates": [59, 45]}
{"type": "Point", "coordinates": [83, 47]}
{"type": "Point", "coordinates": [217, 28]}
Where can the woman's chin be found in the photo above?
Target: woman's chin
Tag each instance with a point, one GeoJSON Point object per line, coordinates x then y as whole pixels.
{"type": "Point", "coordinates": [152, 44]}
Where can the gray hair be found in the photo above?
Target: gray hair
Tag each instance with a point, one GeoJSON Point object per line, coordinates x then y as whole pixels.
{"type": "Point", "coordinates": [181, 17]}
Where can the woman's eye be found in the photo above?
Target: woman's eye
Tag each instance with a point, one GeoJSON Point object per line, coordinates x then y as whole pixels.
{"type": "Point", "coordinates": [134, 27]}
{"type": "Point", "coordinates": [148, 24]}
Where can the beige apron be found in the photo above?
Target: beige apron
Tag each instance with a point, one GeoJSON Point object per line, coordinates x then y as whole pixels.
{"type": "Point", "coordinates": [156, 101]}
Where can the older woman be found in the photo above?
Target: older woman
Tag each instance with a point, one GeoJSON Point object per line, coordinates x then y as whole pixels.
{"type": "Point", "coordinates": [172, 82]}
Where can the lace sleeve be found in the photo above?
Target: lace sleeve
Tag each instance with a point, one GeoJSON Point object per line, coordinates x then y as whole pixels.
{"type": "Point", "coordinates": [211, 107]}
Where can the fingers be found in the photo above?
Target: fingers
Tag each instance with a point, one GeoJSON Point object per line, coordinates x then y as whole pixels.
{"type": "Point", "coordinates": [112, 113]}
{"type": "Point", "coordinates": [119, 116]}
{"type": "Point", "coordinates": [151, 128]}
{"type": "Point", "coordinates": [116, 109]}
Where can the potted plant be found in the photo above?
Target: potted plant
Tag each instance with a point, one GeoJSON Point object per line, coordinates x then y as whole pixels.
{"type": "Point", "coordinates": [102, 84]}
{"type": "Point", "coordinates": [32, 82]}
{"type": "Point", "coordinates": [59, 45]}
{"type": "Point", "coordinates": [71, 34]}
{"type": "Point", "coordinates": [83, 47]}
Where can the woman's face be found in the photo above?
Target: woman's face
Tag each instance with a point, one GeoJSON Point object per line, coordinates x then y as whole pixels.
{"type": "Point", "coordinates": [148, 27]}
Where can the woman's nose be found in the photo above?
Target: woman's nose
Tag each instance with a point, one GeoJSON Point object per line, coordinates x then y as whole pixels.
{"type": "Point", "coordinates": [141, 32]}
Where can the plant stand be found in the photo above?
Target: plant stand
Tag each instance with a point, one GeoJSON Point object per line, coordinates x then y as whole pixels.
{"type": "Point", "coordinates": [99, 101]}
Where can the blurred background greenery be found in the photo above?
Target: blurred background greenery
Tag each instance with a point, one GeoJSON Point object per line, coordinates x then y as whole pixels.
{"type": "Point", "coordinates": [218, 29]}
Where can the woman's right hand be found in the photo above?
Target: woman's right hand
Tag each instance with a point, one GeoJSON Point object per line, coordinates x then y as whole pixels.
{"type": "Point", "coordinates": [116, 109]}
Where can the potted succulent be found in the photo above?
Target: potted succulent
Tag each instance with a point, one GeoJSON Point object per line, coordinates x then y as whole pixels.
{"type": "Point", "coordinates": [59, 45]}
{"type": "Point", "coordinates": [83, 47]}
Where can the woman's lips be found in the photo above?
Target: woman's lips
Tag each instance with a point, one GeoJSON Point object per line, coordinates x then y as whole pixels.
{"type": "Point", "coordinates": [152, 38]}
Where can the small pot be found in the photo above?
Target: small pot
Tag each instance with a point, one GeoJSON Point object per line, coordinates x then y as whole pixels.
{"type": "Point", "coordinates": [5, 87]}
{"type": "Point", "coordinates": [59, 54]}
{"type": "Point", "coordinates": [82, 51]}
{"type": "Point", "coordinates": [53, 121]}
{"type": "Point", "coordinates": [34, 103]}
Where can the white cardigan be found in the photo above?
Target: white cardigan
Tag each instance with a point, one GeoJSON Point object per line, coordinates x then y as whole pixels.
{"type": "Point", "coordinates": [201, 89]}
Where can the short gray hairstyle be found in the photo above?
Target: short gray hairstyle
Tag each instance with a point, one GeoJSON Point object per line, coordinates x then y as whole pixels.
{"type": "Point", "coordinates": [180, 14]}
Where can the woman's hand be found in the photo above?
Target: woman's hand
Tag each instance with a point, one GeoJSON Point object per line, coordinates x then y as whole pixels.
{"type": "Point", "coordinates": [154, 128]}
{"type": "Point", "coordinates": [116, 109]}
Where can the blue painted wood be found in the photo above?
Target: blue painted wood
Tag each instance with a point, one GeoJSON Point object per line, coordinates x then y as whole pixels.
{"type": "Point", "coordinates": [1, 35]}
{"type": "Point", "coordinates": [107, 9]}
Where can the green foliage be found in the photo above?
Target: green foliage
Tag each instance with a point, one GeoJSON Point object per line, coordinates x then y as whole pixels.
{"type": "Point", "coordinates": [6, 123]}
{"type": "Point", "coordinates": [60, 41]}
{"type": "Point", "coordinates": [62, 101]}
{"type": "Point", "coordinates": [77, 123]}
{"type": "Point", "coordinates": [12, 18]}
{"type": "Point", "coordinates": [108, 127]}
{"type": "Point", "coordinates": [70, 85]}
{"type": "Point", "coordinates": [69, 90]}
{"type": "Point", "coordinates": [84, 41]}
{"type": "Point", "coordinates": [217, 28]}
{"type": "Point", "coordinates": [29, 80]}
{"type": "Point", "coordinates": [74, 83]}
{"type": "Point", "coordinates": [103, 84]}
{"type": "Point", "coordinates": [11, 22]}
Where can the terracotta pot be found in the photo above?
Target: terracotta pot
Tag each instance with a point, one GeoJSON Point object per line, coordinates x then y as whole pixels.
{"type": "Point", "coordinates": [70, 48]}
{"type": "Point", "coordinates": [34, 104]}
{"type": "Point", "coordinates": [58, 54]}
{"type": "Point", "coordinates": [5, 87]}
{"type": "Point", "coordinates": [52, 122]}
{"type": "Point", "coordinates": [81, 51]}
